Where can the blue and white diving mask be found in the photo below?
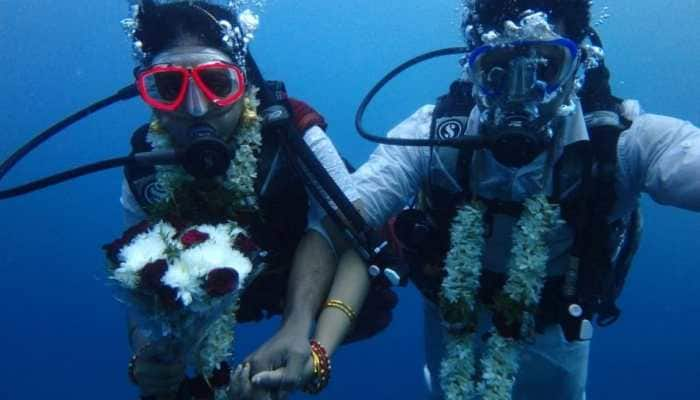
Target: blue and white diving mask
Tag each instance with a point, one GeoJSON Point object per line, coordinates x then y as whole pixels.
{"type": "Point", "coordinates": [521, 87]}
{"type": "Point", "coordinates": [523, 71]}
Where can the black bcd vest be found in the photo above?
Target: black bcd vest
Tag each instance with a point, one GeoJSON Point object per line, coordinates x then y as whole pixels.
{"type": "Point", "coordinates": [276, 226]}
{"type": "Point", "coordinates": [583, 186]}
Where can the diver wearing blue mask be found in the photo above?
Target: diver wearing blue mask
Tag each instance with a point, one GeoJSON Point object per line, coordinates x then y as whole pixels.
{"type": "Point", "coordinates": [532, 118]}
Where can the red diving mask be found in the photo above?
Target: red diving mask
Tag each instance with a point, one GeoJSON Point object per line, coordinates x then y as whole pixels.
{"type": "Point", "coordinates": [164, 87]}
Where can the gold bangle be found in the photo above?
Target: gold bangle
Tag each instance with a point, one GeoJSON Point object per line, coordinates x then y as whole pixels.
{"type": "Point", "coordinates": [346, 309]}
{"type": "Point", "coordinates": [322, 369]}
{"type": "Point", "coordinates": [317, 364]}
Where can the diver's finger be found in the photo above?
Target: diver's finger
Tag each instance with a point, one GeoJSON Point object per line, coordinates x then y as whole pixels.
{"type": "Point", "coordinates": [294, 371]}
{"type": "Point", "coordinates": [288, 377]}
{"type": "Point", "coordinates": [234, 385]}
{"type": "Point", "coordinates": [270, 379]}
{"type": "Point", "coordinates": [246, 385]}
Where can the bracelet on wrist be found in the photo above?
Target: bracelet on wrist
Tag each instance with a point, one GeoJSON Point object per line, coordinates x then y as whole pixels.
{"type": "Point", "coordinates": [343, 307]}
{"type": "Point", "coordinates": [322, 369]}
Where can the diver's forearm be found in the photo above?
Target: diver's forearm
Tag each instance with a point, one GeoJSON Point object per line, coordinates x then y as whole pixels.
{"type": "Point", "coordinates": [350, 286]}
{"type": "Point", "coordinates": [310, 279]}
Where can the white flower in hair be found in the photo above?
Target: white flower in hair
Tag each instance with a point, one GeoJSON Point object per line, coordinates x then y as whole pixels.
{"type": "Point", "coordinates": [130, 26]}
{"type": "Point", "coordinates": [532, 26]}
{"type": "Point", "coordinates": [230, 35]}
{"type": "Point", "coordinates": [249, 23]}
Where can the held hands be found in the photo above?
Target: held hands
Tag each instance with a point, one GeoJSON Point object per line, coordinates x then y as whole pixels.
{"type": "Point", "coordinates": [280, 362]}
{"type": "Point", "coordinates": [243, 389]}
{"type": "Point", "coordinates": [313, 379]}
{"type": "Point", "coordinates": [268, 383]}
{"type": "Point", "coordinates": [283, 364]}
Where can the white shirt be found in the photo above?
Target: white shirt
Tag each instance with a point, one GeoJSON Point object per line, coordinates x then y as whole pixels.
{"type": "Point", "coordinates": [657, 155]}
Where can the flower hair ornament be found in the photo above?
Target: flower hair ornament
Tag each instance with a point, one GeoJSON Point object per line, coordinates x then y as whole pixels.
{"type": "Point", "coordinates": [235, 35]}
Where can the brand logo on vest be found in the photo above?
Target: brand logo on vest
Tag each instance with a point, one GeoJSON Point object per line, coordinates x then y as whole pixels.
{"type": "Point", "coordinates": [154, 193]}
{"type": "Point", "coordinates": [275, 114]}
{"type": "Point", "coordinates": [450, 128]}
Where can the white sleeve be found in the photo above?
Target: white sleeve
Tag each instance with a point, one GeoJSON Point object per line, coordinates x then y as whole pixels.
{"type": "Point", "coordinates": [133, 214]}
{"type": "Point", "coordinates": [661, 156]}
{"type": "Point", "coordinates": [393, 174]}
{"type": "Point", "coordinates": [323, 149]}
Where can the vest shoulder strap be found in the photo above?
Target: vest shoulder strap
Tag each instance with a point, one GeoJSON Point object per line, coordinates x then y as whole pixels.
{"type": "Point", "coordinates": [140, 177]}
{"type": "Point", "coordinates": [599, 273]}
{"type": "Point", "coordinates": [451, 112]}
{"type": "Point", "coordinates": [304, 116]}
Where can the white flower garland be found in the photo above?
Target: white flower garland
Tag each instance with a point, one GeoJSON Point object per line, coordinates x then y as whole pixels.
{"type": "Point", "coordinates": [241, 175]}
{"type": "Point", "coordinates": [526, 274]}
{"type": "Point", "coordinates": [463, 266]}
{"type": "Point", "coordinates": [219, 346]}
{"type": "Point", "coordinates": [205, 323]}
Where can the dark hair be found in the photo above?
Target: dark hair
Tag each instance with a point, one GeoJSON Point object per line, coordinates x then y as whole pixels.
{"type": "Point", "coordinates": [161, 26]}
{"type": "Point", "coordinates": [488, 15]}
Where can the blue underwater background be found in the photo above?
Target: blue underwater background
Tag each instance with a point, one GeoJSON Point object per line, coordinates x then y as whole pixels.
{"type": "Point", "coordinates": [63, 335]}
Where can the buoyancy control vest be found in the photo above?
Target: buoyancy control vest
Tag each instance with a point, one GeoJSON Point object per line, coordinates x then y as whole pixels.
{"type": "Point", "coordinates": [279, 221]}
{"type": "Point", "coordinates": [583, 186]}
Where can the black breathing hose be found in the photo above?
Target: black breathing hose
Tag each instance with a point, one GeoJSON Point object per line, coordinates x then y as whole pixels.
{"type": "Point", "coordinates": [125, 93]}
{"type": "Point", "coordinates": [466, 141]}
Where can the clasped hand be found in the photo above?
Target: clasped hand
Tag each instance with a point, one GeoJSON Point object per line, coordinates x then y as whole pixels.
{"type": "Point", "coordinates": [277, 368]}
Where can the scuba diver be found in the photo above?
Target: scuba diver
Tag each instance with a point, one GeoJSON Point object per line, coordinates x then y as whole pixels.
{"type": "Point", "coordinates": [224, 144]}
{"type": "Point", "coordinates": [522, 186]}
{"type": "Point", "coordinates": [197, 75]}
